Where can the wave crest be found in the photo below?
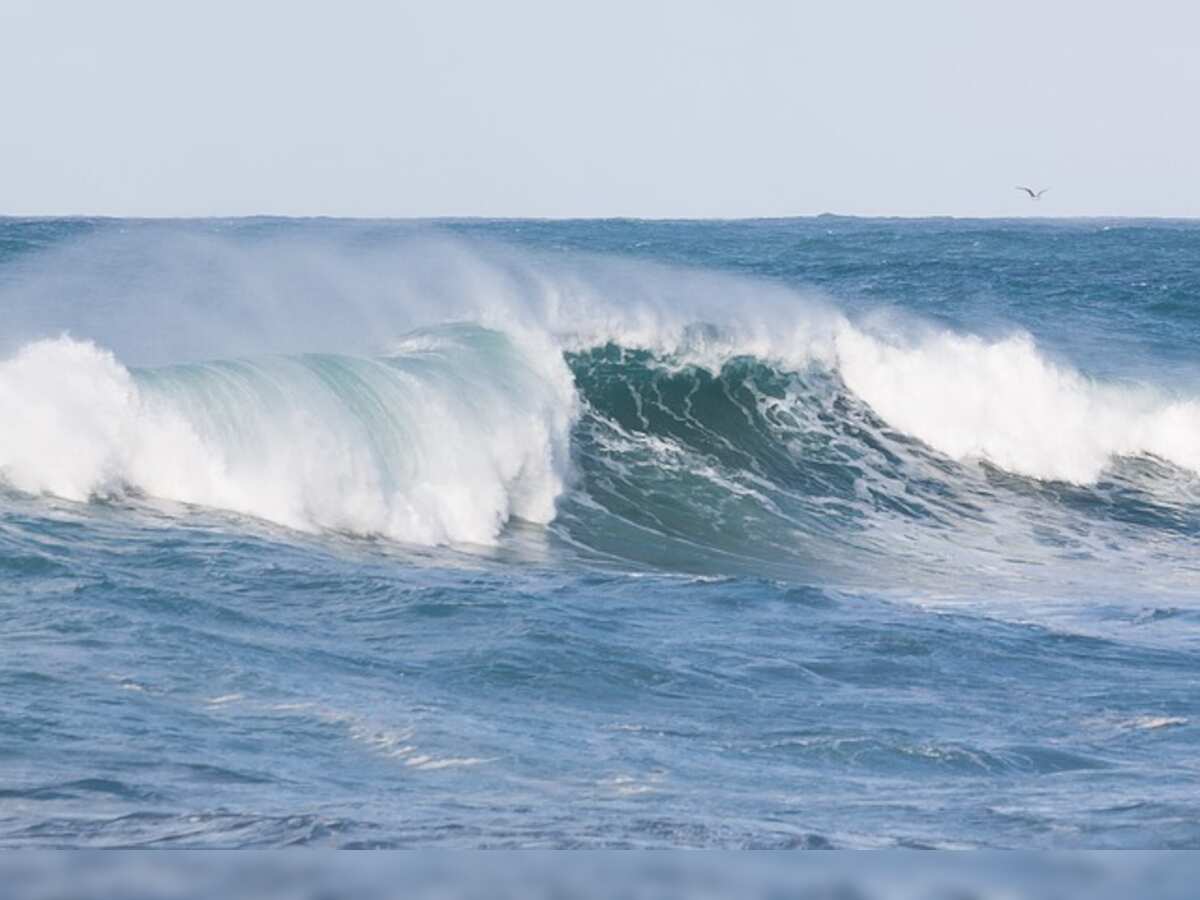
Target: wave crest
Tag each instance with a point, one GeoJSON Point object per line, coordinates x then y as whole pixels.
{"type": "Point", "coordinates": [441, 443]}
{"type": "Point", "coordinates": [1005, 403]}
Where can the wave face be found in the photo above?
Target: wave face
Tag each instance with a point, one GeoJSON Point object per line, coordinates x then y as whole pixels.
{"type": "Point", "coordinates": [756, 468]}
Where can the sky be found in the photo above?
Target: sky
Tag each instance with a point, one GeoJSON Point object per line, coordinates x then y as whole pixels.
{"type": "Point", "coordinates": [613, 108]}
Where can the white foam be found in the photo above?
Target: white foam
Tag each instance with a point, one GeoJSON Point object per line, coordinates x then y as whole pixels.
{"type": "Point", "coordinates": [437, 446]}
{"type": "Point", "coordinates": [1003, 401]}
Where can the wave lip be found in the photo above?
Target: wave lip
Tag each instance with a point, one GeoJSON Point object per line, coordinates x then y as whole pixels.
{"type": "Point", "coordinates": [442, 442]}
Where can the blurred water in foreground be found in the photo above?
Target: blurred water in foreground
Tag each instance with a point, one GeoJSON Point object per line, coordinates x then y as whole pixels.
{"type": "Point", "coordinates": [895, 875]}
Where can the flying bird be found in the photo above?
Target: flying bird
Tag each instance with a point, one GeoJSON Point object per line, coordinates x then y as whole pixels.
{"type": "Point", "coordinates": [1033, 195]}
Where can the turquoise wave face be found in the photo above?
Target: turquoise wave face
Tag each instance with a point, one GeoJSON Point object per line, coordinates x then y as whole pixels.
{"type": "Point", "coordinates": [624, 534]}
{"type": "Point", "coordinates": [751, 469]}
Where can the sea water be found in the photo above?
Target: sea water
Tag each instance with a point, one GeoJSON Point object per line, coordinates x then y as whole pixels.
{"type": "Point", "coordinates": [782, 533]}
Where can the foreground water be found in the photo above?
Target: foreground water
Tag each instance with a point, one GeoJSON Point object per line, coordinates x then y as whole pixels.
{"type": "Point", "coordinates": [800, 533]}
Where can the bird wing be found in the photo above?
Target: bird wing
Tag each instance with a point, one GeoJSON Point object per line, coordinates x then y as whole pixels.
{"type": "Point", "coordinates": [1021, 187]}
{"type": "Point", "coordinates": [1042, 191]}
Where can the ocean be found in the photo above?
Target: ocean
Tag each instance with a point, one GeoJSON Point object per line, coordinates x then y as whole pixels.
{"type": "Point", "coordinates": [796, 533]}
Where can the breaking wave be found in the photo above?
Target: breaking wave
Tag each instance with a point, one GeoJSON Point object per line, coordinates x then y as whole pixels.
{"type": "Point", "coordinates": [652, 413]}
{"type": "Point", "coordinates": [442, 443]}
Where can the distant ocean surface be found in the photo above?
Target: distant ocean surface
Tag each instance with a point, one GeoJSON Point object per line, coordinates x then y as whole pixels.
{"type": "Point", "coordinates": [801, 533]}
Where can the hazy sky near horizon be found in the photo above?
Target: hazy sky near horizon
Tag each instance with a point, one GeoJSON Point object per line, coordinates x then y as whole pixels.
{"type": "Point", "coordinates": [616, 108]}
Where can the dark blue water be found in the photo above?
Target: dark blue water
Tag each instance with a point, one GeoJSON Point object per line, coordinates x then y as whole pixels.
{"type": "Point", "coordinates": [795, 533]}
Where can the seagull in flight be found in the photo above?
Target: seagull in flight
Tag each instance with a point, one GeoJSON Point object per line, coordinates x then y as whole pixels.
{"type": "Point", "coordinates": [1033, 195]}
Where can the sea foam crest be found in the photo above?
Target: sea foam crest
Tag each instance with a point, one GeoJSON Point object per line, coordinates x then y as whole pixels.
{"type": "Point", "coordinates": [1005, 402]}
{"type": "Point", "coordinates": [442, 443]}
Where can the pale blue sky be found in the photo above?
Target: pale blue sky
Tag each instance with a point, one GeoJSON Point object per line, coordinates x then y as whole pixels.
{"type": "Point", "coordinates": [133, 107]}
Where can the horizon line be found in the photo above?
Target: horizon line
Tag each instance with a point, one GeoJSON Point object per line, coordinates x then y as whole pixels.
{"type": "Point", "coordinates": [215, 217]}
